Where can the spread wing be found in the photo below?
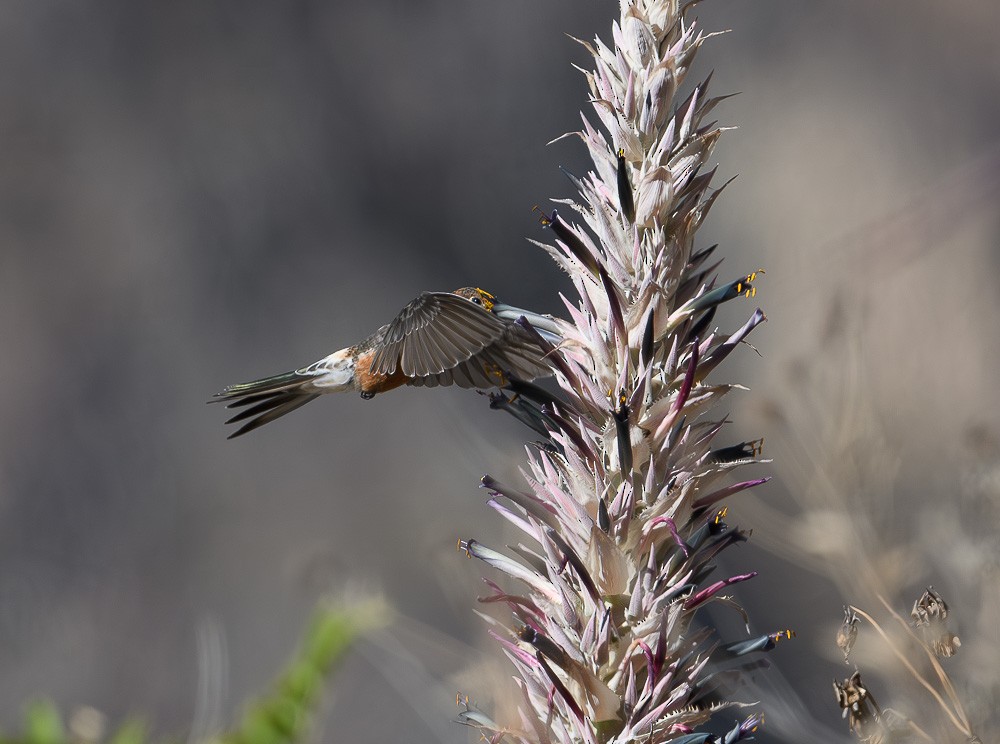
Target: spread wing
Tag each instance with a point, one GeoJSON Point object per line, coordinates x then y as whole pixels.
{"type": "Point", "coordinates": [443, 339]}
{"type": "Point", "coordinates": [514, 354]}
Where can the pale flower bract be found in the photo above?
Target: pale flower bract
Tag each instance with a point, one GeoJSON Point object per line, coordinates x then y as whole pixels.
{"type": "Point", "coordinates": [622, 516]}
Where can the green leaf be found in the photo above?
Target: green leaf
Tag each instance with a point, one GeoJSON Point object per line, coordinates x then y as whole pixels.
{"type": "Point", "coordinates": [133, 731]}
{"type": "Point", "coordinates": [43, 724]}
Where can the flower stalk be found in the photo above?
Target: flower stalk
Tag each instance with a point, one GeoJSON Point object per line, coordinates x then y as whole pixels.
{"type": "Point", "coordinates": [622, 514]}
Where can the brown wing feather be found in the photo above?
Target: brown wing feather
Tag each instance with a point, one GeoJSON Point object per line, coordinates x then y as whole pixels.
{"type": "Point", "coordinates": [435, 333]}
{"type": "Point", "coordinates": [514, 354]}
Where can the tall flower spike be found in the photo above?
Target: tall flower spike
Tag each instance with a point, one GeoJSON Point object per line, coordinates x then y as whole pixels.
{"type": "Point", "coordinates": [622, 517]}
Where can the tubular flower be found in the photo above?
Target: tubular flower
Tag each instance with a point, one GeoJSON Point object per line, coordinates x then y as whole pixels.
{"type": "Point", "coordinates": [622, 514]}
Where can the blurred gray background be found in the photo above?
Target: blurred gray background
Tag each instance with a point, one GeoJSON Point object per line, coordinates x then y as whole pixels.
{"type": "Point", "coordinates": [195, 194]}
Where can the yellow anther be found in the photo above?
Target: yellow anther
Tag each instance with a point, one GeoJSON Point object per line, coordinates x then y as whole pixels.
{"type": "Point", "coordinates": [543, 218]}
{"type": "Point", "coordinates": [745, 287]}
{"type": "Point", "coordinates": [721, 514]}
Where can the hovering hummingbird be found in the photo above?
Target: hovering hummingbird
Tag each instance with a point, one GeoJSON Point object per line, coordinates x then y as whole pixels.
{"type": "Point", "coordinates": [466, 338]}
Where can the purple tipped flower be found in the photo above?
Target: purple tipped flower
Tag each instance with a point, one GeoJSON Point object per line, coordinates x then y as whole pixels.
{"type": "Point", "coordinates": [620, 518]}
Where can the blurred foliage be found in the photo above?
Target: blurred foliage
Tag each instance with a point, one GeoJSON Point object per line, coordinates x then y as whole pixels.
{"type": "Point", "coordinates": [282, 716]}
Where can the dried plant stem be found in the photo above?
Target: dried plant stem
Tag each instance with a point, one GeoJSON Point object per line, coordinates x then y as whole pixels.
{"type": "Point", "coordinates": [965, 728]}
{"type": "Point", "coordinates": [919, 731]}
{"type": "Point", "coordinates": [961, 725]}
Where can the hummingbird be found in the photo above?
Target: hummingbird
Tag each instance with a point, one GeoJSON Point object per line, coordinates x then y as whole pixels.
{"type": "Point", "coordinates": [466, 338]}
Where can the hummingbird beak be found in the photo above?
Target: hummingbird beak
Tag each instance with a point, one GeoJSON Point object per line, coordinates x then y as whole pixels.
{"type": "Point", "coordinates": [544, 324]}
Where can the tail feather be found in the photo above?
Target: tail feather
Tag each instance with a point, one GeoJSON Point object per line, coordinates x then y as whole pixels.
{"type": "Point", "coordinates": [275, 384]}
{"type": "Point", "coordinates": [266, 399]}
{"type": "Point", "coordinates": [268, 410]}
{"type": "Point", "coordinates": [248, 400]}
{"type": "Point", "coordinates": [269, 398]}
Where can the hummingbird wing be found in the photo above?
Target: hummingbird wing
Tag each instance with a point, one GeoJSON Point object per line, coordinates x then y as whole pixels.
{"type": "Point", "coordinates": [435, 332]}
{"type": "Point", "coordinates": [443, 339]}
{"type": "Point", "coordinates": [515, 354]}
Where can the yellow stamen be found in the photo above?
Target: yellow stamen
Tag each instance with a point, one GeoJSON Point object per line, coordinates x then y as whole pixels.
{"type": "Point", "coordinates": [744, 286]}
{"type": "Point", "coordinates": [543, 219]}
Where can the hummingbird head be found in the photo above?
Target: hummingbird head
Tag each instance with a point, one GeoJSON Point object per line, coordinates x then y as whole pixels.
{"type": "Point", "coordinates": [544, 324]}
{"type": "Point", "coordinates": [478, 296]}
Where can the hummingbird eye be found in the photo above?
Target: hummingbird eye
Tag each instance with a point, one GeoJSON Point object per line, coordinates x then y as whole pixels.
{"type": "Point", "coordinates": [477, 300]}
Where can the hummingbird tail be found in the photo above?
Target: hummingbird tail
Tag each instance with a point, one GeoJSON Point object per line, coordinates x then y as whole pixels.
{"type": "Point", "coordinates": [266, 399]}
{"type": "Point", "coordinates": [269, 398]}
{"type": "Point", "coordinates": [266, 408]}
{"type": "Point", "coordinates": [275, 384]}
